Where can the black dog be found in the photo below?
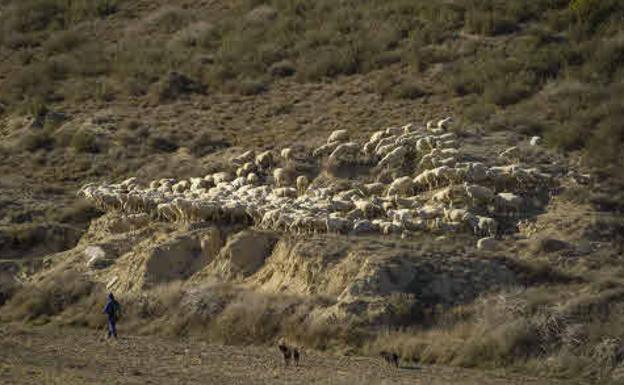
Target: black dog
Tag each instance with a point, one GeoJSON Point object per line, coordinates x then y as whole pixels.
{"type": "Point", "coordinates": [390, 358]}
{"type": "Point", "coordinates": [288, 352]}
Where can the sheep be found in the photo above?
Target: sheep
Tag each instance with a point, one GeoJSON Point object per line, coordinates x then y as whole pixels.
{"type": "Point", "coordinates": [374, 188]}
{"type": "Point", "coordinates": [478, 194]}
{"type": "Point", "coordinates": [535, 141]}
{"type": "Point", "coordinates": [289, 192]}
{"type": "Point", "coordinates": [394, 131]}
{"type": "Point", "coordinates": [264, 160]}
{"type": "Point", "coordinates": [280, 177]}
{"type": "Point", "coordinates": [444, 195]}
{"type": "Point", "coordinates": [394, 159]}
{"type": "Point", "coordinates": [385, 142]}
{"type": "Point", "coordinates": [456, 215]}
{"type": "Point", "coordinates": [325, 149]}
{"type": "Point", "coordinates": [401, 186]}
{"type": "Point", "coordinates": [424, 144]}
{"type": "Point", "coordinates": [345, 152]}
{"type": "Point", "coordinates": [337, 225]}
{"type": "Point", "coordinates": [302, 184]}
{"type": "Point", "coordinates": [221, 177]}
{"type": "Point", "coordinates": [364, 226]}
{"type": "Point", "coordinates": [508, 203]}
{"type": "Point", "coordinates": [511, 154]}
{"type": "Point", "coordinates": [423, 180]}
{"type": "Point", "coordinates": [444, 123]}
{"type": "Point", "coordinates": [287, 154]}
{"type": "Point", "coordinates": [338, 136]}
{"type": "Point", "coordinates": [247, 156]}
{"type": "Point", "coordinates": [429, 212]}
{"type": "Point", "coordinates": [483, 225]}
{"type": "Point", "coordinates": [181, 187]}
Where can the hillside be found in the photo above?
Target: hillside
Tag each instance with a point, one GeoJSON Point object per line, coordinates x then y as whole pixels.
{"type": "Point", "coordinates": [174, 93]}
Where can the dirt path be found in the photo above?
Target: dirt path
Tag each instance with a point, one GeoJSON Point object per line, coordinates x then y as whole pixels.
{"type": "Point", "coordinates": [44, 356]}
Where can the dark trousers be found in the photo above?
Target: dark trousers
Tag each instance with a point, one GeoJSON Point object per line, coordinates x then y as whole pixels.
{"type": "Point", "coordinates": [112, 330]}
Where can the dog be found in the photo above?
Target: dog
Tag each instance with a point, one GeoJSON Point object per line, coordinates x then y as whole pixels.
{"type": "Point", "coordinates": [288, 352]}
{"type": "Point", "coordinates": [390, 357]}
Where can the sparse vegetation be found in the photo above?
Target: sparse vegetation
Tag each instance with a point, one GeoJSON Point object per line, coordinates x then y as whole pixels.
{"type": "Point", "coordinates": [550, 68]}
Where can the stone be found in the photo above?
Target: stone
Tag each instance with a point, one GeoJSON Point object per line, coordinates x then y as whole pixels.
{"type": "Point", "coordinates": [97, 257]}
{"type": "Point", "coordinates": [548, 245]}
{"type": "Point", "coordinates": [487, 244]}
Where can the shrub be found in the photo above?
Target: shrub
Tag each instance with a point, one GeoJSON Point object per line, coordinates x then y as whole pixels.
{"type": "Point", "coordinates": [63, 41]}
{"type": "Point", "coordinates": [38, 139]}
{"type": "Point", "coordinates": [85, 141]}
{"type": "Point", "coordinates": [162, 143]}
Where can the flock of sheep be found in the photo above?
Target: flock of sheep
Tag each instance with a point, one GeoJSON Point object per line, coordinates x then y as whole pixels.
{"type": "Point", "coordinates": [419, 181]}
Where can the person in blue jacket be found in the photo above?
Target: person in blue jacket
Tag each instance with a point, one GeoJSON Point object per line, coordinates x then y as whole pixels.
{"type": "Point", "coordinates": [112, 310]}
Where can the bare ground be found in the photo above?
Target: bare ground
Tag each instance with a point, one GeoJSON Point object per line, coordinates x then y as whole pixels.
{"type": "Point", "coordinates": [79, 356]}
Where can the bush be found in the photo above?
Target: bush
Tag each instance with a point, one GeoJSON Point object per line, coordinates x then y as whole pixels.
{"type": "Point", "coordinates": [48, 298]}
{"type": "Point", "coordinates": [85, 141]}
{"type": "Point", "coordinates": [62, 42]}
{"type": "Point", "coordinates": [162, 143]}
{"type": "Point", "coordinates": [38, 139]}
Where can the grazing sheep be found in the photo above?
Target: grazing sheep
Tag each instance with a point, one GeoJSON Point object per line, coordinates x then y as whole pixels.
{"type": "Point", "coordinates": [394, 159]}
{"type": "Point", "coordinates": [302, 184]}
{"type": "Point", "coordinates": [508, 203]}
{"type": "Point", "coordinates": [535, 141]}
{"type": "Point", "coordinates": [345, 152]}
{"type": "Point", "coordinates": [511, 154]}
{"type": "Point", "coordinates": [280, 177]}
{"type": "Point", "coordinates": [325, 149]}
{"type": "Point", "coordinates": [287, 154]}
{"type": "Point", "coordinates": [401, 186]}
{"type": "Point", "coordinates": [374, 188]}
{"type": "Point", "coordinates": [478, 194]}
{"type": "Point", "coordinates": [264, 160]}
{"type": "Point", "coordinates": [338, 136]}
{"type": "Point", "coordinates": [445, 123]}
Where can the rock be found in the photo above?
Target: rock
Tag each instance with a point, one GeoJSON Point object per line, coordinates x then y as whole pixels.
{"type": "Point", "coordinates": [548, 245]}
{"type": "Point", "coordinates": [174, 260]}
{"type": "Point", "coordinates": [245, 252]}
{"type": "Point", "coordinates": [487, 244]}
{"type": "Point", "coordinates": [96, 257]}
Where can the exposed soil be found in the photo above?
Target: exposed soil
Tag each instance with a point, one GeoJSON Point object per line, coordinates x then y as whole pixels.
{"type": "Point", "coordinates": [78, 356]}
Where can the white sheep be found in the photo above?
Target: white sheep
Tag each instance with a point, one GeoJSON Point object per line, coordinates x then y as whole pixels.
{"type": "Point", "coordinates": [511, 154]}
{"type": "Point", "coordinates": [401, 186]}
{"type": "Point", "coordinates": [247, 156]}
{"type": "Point", "coordinates": [287, 154]}
{"type": "Point", "coordinates": [478, 194]}
{"type": "Point", "coordinates": [264, 160]}
{"type": "Point", "coordinates": [338, 136]}
{"type": "Point", "coordinates": [535, 141]}
{"type": "Point", "coordinates": [302, 184]}
{"type": "Point", "coordinates": [508, 203]}
{"type": "Point", "coordinates": [280, 177]}
{"type": "Point", "coordinates": [325, 149]}
{"type": "Point", "coordinates": [394, 159]}
{"type": "Point", "coordinates": [444, 123]}
{"type": "Point", "coordinates": [345, 152]}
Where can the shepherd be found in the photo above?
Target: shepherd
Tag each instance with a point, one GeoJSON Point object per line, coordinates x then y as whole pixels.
{"type": "Point", "coordinates": [112, 310]}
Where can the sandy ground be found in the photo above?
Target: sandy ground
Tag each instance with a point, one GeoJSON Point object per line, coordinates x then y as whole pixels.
{"type": "Point", "coordinates": [77, 356]}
